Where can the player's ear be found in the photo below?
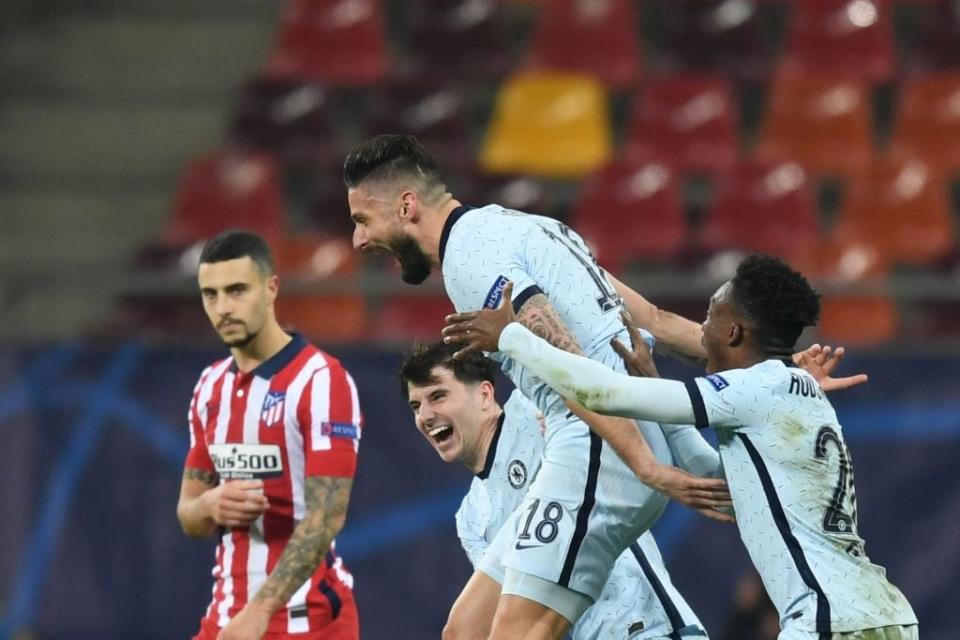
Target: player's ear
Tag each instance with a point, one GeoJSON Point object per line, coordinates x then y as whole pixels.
{"type": "Point", "coordinates": [409, 207]}
{"type": "Point", "coordinates": [273, 287]}
{"type": "Point", "coordinates": [735, 334]}
{"type": "Point", "coordinates": [487, 392]}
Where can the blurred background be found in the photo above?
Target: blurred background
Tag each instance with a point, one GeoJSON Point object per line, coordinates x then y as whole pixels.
{"type": "Point", "coordinates": [675, 135]}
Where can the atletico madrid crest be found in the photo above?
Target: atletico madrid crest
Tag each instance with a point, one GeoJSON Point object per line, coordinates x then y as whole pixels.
{"type": "Point", "coordinates": [272, 411]}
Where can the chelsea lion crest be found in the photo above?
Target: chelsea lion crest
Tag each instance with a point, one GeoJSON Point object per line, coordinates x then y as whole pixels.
{"type": "Point", "coordinates": [516, 474]}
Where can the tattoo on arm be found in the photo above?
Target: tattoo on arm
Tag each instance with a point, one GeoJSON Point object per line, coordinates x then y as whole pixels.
{"type": "Point", "coordinates": [539, 316]}
{"type": "Point", "coordinates": [326, 500]}
{"type": "Point", "coordinates": [206, 477]}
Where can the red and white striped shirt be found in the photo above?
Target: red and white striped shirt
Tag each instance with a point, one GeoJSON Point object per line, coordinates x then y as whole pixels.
{"type": "Point", "coordinates": [296, 415]}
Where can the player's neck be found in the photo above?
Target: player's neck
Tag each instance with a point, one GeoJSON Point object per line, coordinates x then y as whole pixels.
{"type": "Point", "coordinates": [484, 442]}
{"type": "Point", "coordinates": [434, 229]}
{"type": "Point", "coordinates": [268, 343]}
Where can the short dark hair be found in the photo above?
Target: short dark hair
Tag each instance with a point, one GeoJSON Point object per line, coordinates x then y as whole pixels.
{"type": "Point", "coordinates": [776, 298]}
{"type": "Point", "coordinates": [417, 368]}
{"type": "Point", "coordinates": [390, 156]}
{"type": "Point", "coordinates": [238, 243]}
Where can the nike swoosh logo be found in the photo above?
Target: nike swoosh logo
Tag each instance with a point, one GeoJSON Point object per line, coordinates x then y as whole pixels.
{"type": "Point", "coordinates": [521, 547]}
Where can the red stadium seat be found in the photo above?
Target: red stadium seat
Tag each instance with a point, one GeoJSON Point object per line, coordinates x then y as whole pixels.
{"type": "Point", "coordinates": [471, 37]}
{"type": "Point", "coordinates": [288, 117]}
{"type": "Point", "coordinates": [689, 122]}
{"type": "Point", "coordinates": [822, 122]}
{"type": "Point", "coordinates": [928, 121]}
{"type": "Point", "coordinates": [316, 256]}
{"type": "Point", "coordinates": [324, 318]}
{"type": "Point", "coordinates": [900, 210]}
{"type": "Point", "coordinates": [227, 189]}
{"type": "Point", "coordinates": [631, 210]}
{"type": "Point", "coordinates": [437, 114]}
{"type": "Point", "coordinates": [763, 207]}
{"type": "Point", "coordinates": [339, 42]}
{"type": "Point", "coordinates": [932, 43]}
{"type": "Point", "coordinates": [405, 318]}
{"type": "Point", "coordinates": [729, 37]}
{"type": "Point", "coordinates": [841, 36]}
{"type": "Point", "coordinates": [860, 321]}
{"type": "Point", "coordinates": [597, 37]}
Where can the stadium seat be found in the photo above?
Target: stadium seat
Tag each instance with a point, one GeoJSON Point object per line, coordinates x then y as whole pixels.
{"type": "Point", "coordinates": [689, 122]}
{"type": "Point", "coordinates": [314, 256]}
{"type": "Point", "coordinates": [631, 210]}
{"type": "Point", "coordinates": [858, 320]}
{"type": "Point", "coordinates": [927, 121]}
{"type": "Point", "coordinates": [471, 37]}
{"type": "Point", "coordinates": [548, 124]}
{"type": "Point", "coordinates": [324, 317]}
{"type": "Point", "coordinates": [231, 188]}
{"type": "Point", "coordinates": [852, 37]}
{"type": "Point", "coordinates": [437, 114]}
{"type": "Point", "coordinates": [725, 36]}
{"type": "Point", "coordinates": [292, 118]}
{"type": "Point", "coordinates": [763, 207]}
{"type": "Point", "coordinates": [337, 42]}
{"type": "Point", "coordinates": [406, 318]}
{"type": "Point", "coordinates": [522, 193]}
{"type": "Point", "coordinates": [597, 37]}
{"type": "Point", "coordinates": [899, 209]}
{"type": "Point", "coordinates": [822, 122]}
{"type": "Point", "coordinates": [932, 43]}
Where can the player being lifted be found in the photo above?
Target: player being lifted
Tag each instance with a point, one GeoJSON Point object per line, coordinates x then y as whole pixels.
{"type": "Point", "coordinates": [455, 410]}
{"type": "Point", "coordinates": [595, 505]}
{"type": "Point", "coordinates": [783, 450]}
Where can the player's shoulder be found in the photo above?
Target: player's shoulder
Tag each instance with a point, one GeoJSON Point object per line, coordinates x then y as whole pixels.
{"type": "Point", "coordinates": [213, 372]}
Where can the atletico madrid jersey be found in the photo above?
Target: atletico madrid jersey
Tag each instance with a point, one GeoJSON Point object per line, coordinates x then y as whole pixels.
{"type": "Point", "coordinates": [295, 415]}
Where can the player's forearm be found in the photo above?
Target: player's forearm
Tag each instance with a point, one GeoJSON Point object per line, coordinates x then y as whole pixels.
{"type": "Point", "coordinates": [676, 336]}
{"type": "Point", "coordinates": [193, 508]}
{"type": "Point", "coordinates": [326, 500]}
{"type": "Point", "coordinates": [595, 386]}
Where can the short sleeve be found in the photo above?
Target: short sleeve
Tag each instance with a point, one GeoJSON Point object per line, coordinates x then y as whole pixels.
{"type": "Point", "coordinates": [471, 522]}
{"type": "Point", "coordinates": [482, 257]}
{"type": "Point", "coordinates": [331, 422]}
{"type": "Point", "coordinates": [727, 399]}
{"type": "Point", "coordinates": [198, 456]}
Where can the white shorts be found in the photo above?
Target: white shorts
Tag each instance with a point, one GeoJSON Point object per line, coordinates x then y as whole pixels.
{"type": "Point", "coordinates": [583, 509]}
{"type": "Point", "coordinates": [896, 632]}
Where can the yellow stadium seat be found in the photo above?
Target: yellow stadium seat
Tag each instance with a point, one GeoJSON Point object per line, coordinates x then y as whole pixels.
{"type": "Point", "coordinates": [554, 125]}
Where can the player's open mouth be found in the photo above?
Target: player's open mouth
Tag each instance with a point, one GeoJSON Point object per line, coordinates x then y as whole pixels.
{"type": "Point", "coordinates": [440, 433]}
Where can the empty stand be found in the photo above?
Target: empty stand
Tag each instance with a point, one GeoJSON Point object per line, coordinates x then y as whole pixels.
{"type": "Point", "coordinates": [548, 124]}
{"type": "Point", "coordinates": [928, 120]}
{"type": "Point", "coordinates": [227, 189]}
{"type": "Point", "coordinates": [821, 121]}
{"type": "Point", "coordinates": [631, 210]}
{"type": "Point", "coordinates": [899, 209]}
{"type": "Point", "coordinates": [340, 42]}
{"type": "Point", "coordinates": [688, 121]}
{"type": "Point", "coordinates": [597, 37]}
{"type": "Point", "coordinates": [458, 40]}
{"type": "Point", "coordinates": [763, 207]}
{"type": "Point", "coordinates": [404, 318]}
{"type": "Point", "coordinates": [727, 36]}
{"type": "Point", "coordinates": [841, 36]}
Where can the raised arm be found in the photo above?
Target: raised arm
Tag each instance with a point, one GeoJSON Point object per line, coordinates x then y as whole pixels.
{"type": "Point", "coordinates": [676, 336]}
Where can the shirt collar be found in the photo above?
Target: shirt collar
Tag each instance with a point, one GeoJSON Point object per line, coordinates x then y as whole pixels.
{"type": "Point", "coordinates": [455, 215]}
{"type": "Point", "coordinates": [275, 363]}
{"type": "Point", "coordinates": [492, 451]}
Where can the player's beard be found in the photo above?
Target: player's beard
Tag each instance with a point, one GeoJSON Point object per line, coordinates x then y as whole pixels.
{"type": "Point", "coordinates": [236, 343]}
{"type": "Point", "coordinates": [414, 263]}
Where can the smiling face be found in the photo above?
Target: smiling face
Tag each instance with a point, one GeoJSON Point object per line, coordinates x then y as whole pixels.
{"type": "Point", "coordinates": [451, 415]}
{"type": "Point", "coordinates": [238, 298]}
{"type": "Point", "coordinates": [379, 225]}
